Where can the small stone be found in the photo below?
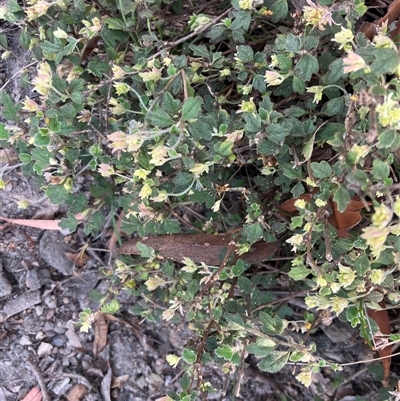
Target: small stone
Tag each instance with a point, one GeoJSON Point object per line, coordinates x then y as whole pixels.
{"type": "Point", "coordinates": [52, 249]}
{"type": "Point", "coordinates": [60, 387]}
{"type": "Point", "coordinates": [32, 280]}
{"type": "Point", "coordinates": [44, 349]}
{"type": "Point", "coordinates": [51, 302]}
{"type": "Point", "coordinates": [58, 341]}
{"type": "Point", "coordinates": [24, 340]}
{"type": "Point", "coordinates": [5, 287]}
{"type": "Point", "coordinates": [39, 310]}
{"type": "Point", "coordinates": [21, 303]}
{"type": "Point", "coordinates": [66, 300]}
{"type": "Point", "coordinates": [39, 336]}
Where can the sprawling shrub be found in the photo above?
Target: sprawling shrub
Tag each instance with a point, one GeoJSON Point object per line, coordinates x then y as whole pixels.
{"type": "Point", "coordinates": [279, 122]}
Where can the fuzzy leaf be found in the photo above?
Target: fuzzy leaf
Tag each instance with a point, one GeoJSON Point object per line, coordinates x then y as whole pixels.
{"type": "Point", "coordinates": [274, 361]}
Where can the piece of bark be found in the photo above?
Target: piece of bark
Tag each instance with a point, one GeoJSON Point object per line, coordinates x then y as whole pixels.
{"type": "Point", "coordinates": [207, 248]}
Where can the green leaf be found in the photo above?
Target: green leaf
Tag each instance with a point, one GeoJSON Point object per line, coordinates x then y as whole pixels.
{"type": "Point", "coordinates": [342, 197]}
{"type": "Point", "coordinates": [170, 105]}
{"type": "Point", "coordinates": [386, 139]}
{"type": "Point", "coordinates": [234, 321]}
{"type": "Point", "coordinates": [191, 108]}
{"type": "Point", "coordinates": [253, 232]}
{"type": "Point", "coordinates": [380, 169]}
{"type": "Point", "coordinates": [245, 53]}
{"type": "Point", "coordinates": [159, 118]}
{"type": "Point", "coordinates": [298, 85]}
{"type": "Point", "coordinates": [274, 361]}
{"type": "Point", "coordinates": [111, 307]}
{"type": "Point", "coordinates": [41, 139]}
{"type": "Point", "coordinates": [261, 348]}
{"type": "Point", "coordinates": [298, 273]}
{"type": "Point", "coordinates": [185, 381]}
{"type": "Point", "coordinates": [224, 148]}
{"type": "Point", "coordinates": [333, 107]}
{"type": "Point", "coordinates": [145, 250]}
{"type": "Point", "coordinates": [386, 61]}
{"type": "Point", "coordinates": [362, 264]}
{"type": "Point", "coordinates": [10, 110]}
{"type": "Point", "coordinates": [308, 148]}
{"type": "Point", "coordinates": [322, 169]}
{"type": "Point", "coordinates": [98, 68]}
{"type": "Point", "coordinates": [277, 132]}
{"type": "Point", "coordinates": [239, 268]}
{"type": "Point", "coordinates": [335, 71]}
{"type": "Point", "coordinates": [69, 223]}
{"type": "Point", "coordinates": [3, 132]}
{"type": "Point", "coordinates": [279, 9]}
{"type": "Point", "coordinates": [225, 352]}
{"type": "Point", "coordinates": [271, 325]}
{"type": "Point", "coordinates": [25, 158]}
{"type": "Point", "coordinates": [189, 356]}
{"type": "Point", "coordinates": [242, 20]}
{"type": "Point", "coordinates": [49, 47]}
{"type": "Point", "coordinates": [306, 67]}
{"type": "Point", "coordinates": [293, 43]}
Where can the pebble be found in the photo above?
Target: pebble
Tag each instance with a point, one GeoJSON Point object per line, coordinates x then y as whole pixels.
{"type": "Point", "coordinates": [58, 341]}
{"type": "Point", "coordinates": [32, 280]}
{"type": "Point", "coordinates": [60, 387]}
{"type": "Point", "coordinates": [39, 336]}
{"type": "Point", "coordinates": [5, 287]}
{"type": "Point", "coordinates": [52, 249]}
{"type": "Point", "coordinates": [39, 310]}
{"type": "Point", "coordinates": [51, 301]}
{"type": "Point", "coordinates": [44, 349]}
{"type": "Point", "coordinates": [24, 340]}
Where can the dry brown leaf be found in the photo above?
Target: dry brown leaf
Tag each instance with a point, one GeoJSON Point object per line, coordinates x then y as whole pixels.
{"type": "Point", "coordinates": [207, 248]}
{"type": "Point", "coordinates": [41, 224]}
{"type": "Point", "coordinates": [118, 382]}
{"type": "Point", "coordinates": [341, 221]}
{"type": "Point", "coordinates": [77, 393]}
{"type": "Point", "coordinates": [100, 333]}
{"type": "Point", "coordinates": [34, 395]}
{"type": "Point", "coordinates": [79, 258]}
{"type": "Point", "coordinates": [381, 318]}
{"type": "Point", "coordinates": [368, 28]}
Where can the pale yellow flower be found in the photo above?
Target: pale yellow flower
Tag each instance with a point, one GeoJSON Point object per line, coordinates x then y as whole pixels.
{"type": "Point", "coordinates": [317, 16]}
{"type": "Point", "coordinates": [151, 76]}
{"type": "Point", "coordinates": [273, 78]}
{"type": "Point", "coordinates": [246, 4]}
{"type": "Point", "coordinates": [37, 10]}
{"type": "Point", "coordinates": [30, 105]}
{"type": "Point", "coordinates": [318, 91]}
{"type": "Point", "coordinates": [247, 106]}
{"type": "Point", "coordinates": [353, 62]}
{"type": "Point", "coordinates": [118, 141]}
{"type": "Point", "coordinates": [117, 71]}
{"type": "Point", "coordinates": [106, 170]}
{"type": "Point", "coordinates": [43, 80]}
{"type": "Point", "coordinates": [344, 38]}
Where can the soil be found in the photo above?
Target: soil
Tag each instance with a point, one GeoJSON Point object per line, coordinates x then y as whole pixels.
{"type": "Point", "coordinates": [42, 293]}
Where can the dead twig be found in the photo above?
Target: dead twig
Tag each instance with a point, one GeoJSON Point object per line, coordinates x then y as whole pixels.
{"type": "Point", "coordinates": [39, 378]}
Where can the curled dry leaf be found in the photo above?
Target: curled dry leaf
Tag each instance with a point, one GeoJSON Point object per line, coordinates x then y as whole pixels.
{"type": "Point", "coordinates": [77, 393]}
{"type": "Point", "coordinates": [79, 258]}
{"type": "Point", "coordinates": [369, 28]}
{"type": "Point", "coordinates": [381, 318]}
{"type": "Point", "coordinates": [41, 224]}
{"type": "Point", "coordinates": [34, 395]}
{"type": "Point", "coordinates": [207, 248]}
{"type": "Point", "coordinates": [100, 333]}
{"type": "Point", "coordinates": [341, 221]}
